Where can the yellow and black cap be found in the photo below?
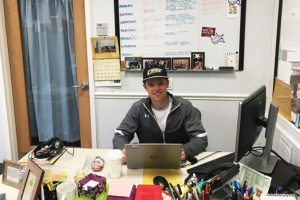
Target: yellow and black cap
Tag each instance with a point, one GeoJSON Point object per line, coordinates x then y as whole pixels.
{"type": "Point", "coordinates": [154, 71]}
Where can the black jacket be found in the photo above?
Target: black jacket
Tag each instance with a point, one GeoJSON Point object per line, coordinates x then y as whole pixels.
{"type": "Point", "coordinates": [183, 126]}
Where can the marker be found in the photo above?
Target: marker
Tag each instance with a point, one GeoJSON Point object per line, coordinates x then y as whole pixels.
{"type": "Point", "coordinates": [201, 184]}
{"type": "Point", "coordinates": [191, 191]}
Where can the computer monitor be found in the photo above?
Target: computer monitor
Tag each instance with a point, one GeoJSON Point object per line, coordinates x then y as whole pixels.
{"type": "Point", "coordinates": [251, 120]}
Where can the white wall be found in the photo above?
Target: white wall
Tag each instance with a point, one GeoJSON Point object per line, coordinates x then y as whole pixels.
{"type": "Point", "coordinates": [215, 94]}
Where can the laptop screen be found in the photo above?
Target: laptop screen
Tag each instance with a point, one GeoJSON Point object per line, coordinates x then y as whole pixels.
{"type": "Point", "coordinates": [153, 155]}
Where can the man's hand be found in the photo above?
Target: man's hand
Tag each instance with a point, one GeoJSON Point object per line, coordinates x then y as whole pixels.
{"type": "Point", "coordinates": [124, 156]}
{"type": "Point", "coordinates": [183, 156]}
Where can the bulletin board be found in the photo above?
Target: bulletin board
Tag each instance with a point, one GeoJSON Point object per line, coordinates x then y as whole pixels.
{"type": "Point", "coordinates": [175, 29]}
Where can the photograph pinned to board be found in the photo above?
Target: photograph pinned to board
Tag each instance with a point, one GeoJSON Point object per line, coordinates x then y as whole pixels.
{"type": "Point", "coordinates": [181, 63]}
{"type": "Point", "coordinates": [165, 62]}
{"type": "Point", "coordinates": [233, 9]}
{"type": "Point", "coordinates": [12, 173]}
{"type": "Point", "coordinates": [197, 60]}
{"type": "Point", "coordinates": [208, 31]}
{"type": "Point", "coordinates": [161, 61]}
{"type": "Point", "coordinates": [133, 63]}
{"type": "Point", "coordinates": [105, 47]}
{"type": "Point", "coordinates": [31, 183]}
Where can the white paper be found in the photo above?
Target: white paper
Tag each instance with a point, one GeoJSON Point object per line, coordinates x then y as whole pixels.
{"type": "Point", "coordinates": [284, 71]}
{"type": "Point", "coordinates": [91, 184]}
{"type": "Point", "coordinates": [260, 182]}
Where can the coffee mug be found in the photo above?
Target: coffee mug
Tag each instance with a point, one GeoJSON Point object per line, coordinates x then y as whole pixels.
{"type": "Point", "coordinates": [66, 191]}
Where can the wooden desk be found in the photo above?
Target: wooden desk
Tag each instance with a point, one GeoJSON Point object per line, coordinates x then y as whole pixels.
{"type": "Point", "coordinates": [76, 162]}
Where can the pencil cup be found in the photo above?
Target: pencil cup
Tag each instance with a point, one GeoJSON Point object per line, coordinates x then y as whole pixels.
{"type": "Point", "coordinates": [115, 162]}
{"type": "Point", "coordinates": [66, 191]}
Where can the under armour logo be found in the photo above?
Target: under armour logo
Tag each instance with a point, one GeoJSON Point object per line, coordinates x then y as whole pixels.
{"type": "Point", "coordinates": [147, 116]}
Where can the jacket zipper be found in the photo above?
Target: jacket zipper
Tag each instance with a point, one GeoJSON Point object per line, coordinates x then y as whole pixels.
{"type": "Point", "coordinates": [163, 134]}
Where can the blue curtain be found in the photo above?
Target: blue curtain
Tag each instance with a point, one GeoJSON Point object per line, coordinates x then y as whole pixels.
{"type": "Point", "coordinates": [50, 70]}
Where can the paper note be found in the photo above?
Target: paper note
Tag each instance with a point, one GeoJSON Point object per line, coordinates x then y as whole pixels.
{"type": "Point", "coordinates": [260, 182]}
{"type": "Point", "coordinates": [172, 175]}
{"type": "Point", "coordinates": [232, 59]}
{"type": "Point", "coordinates": [120, 187]}
{"type": "Point", "coordinates": [107, 69]}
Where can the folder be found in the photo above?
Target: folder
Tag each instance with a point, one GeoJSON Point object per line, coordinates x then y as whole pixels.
{"type": "Point", "coordinates": [148, 192]}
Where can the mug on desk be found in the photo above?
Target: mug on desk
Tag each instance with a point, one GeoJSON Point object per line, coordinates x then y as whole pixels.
{"type": "Point", "coordinates": [66, 191]}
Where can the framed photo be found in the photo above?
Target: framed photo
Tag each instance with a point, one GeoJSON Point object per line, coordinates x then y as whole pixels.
{"type": "Point", "coordinates": [147, 62]}
{"type": "Point", "coordinates": [105, 47]}
{"type": "Point", "coordinates": [133, 63]}
{"type": "Point", "coordinates": [11, 170]}
{"type": "Point", "coordinates": [166, 62]}
{"type": "Point", "coordinates": [198, 60]}
{"type": "Point", "coordinates": [181, 63]}
{"type": "Point", "coordinates": [31, 184]}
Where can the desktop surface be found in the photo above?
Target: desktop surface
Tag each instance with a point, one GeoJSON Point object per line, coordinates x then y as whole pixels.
{"type": "Point", "coordinates": [77, 162]}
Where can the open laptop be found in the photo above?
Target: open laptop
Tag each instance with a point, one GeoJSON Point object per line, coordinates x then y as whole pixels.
{"type": "Point", "coordinates": [153, 155]}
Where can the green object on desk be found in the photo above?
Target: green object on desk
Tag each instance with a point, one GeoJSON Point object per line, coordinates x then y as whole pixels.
{"type": "Point", "coordinates": [102, 196]}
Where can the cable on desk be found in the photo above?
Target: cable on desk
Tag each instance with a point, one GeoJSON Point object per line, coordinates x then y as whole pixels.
{"type": "Point", "coordinates": [201, 159]}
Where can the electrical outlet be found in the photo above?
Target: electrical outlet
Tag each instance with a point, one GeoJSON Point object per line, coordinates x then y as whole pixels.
{"type": "Point", "coordinates": [170, 84]}
{"type": "Point", "coordinates": [285, 148]}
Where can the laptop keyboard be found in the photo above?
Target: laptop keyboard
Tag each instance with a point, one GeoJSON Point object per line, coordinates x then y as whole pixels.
{"type": "Point", "coordinates": [206, 167]}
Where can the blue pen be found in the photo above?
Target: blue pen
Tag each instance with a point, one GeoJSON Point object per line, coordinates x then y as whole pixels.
{"type": "Point", "coordinates": [250, 190]}
{"type": "Point", "coordinates": [239, 186]}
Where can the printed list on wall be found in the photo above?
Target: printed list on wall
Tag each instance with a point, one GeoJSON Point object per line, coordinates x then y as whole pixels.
{"type": "Point", "coordinates": [175, 28]}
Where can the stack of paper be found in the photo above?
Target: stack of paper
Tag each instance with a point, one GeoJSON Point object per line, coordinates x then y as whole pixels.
{"type": "Point", "coordinates": [289, 55]}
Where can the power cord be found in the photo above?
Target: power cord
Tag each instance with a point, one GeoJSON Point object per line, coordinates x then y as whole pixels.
{"type": "Point", "coordinates": [255, 149]}
{"type": "Point", "coordinates": [194, 160]}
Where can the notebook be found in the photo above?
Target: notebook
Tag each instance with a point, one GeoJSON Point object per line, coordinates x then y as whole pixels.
{"type": "Point", "coordinates": [149, 155]}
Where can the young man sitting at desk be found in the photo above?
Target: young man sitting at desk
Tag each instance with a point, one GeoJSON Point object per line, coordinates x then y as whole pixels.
{"type": "Point", "coordinates": [162, 118]}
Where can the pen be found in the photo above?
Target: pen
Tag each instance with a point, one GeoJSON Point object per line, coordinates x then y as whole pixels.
{"type": "Point", "coordinates": [245, 186]}
{"type": "Point", "coordinates": [250, 190]}
{"type": "Point", "coordinates": [185, 190]}
{"type": "Point", "coordinates": [196, 180]}
{"type": "Point", "coordinates": [175, 191]}
{"type": "Point", "coordinates": [179, 189]}
{"type": "Point", "coordinates": [191, 191]}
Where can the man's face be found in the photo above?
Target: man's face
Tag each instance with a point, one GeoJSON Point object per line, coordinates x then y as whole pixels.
{"type": "Point", "coordinates": [157, 88]}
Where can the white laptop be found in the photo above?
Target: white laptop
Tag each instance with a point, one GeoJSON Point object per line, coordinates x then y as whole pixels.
{"type": "Point", "coordinates": [153, 155]}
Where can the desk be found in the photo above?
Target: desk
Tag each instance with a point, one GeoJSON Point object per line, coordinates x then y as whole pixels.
{"type": "Point", "coordinates": [76, 162]}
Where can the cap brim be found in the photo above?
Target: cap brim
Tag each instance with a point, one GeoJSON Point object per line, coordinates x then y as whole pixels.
{"type": "Point", "coordinates": [155, 77]}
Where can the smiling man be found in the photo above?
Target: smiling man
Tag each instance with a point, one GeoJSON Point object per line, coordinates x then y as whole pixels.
{"type": "Point", "coordinates": [162, 118]}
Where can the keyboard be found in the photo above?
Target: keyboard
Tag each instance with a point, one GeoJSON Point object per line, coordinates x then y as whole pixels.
{"type": "Point", "coordinates": [208, 166]}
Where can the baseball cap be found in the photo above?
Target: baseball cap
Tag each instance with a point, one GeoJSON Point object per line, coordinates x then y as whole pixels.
{"type": "Point", "coordinates": [154, 71]}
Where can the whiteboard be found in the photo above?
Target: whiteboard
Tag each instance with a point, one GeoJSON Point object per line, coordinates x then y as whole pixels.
{"type": "Point", "coordinates": [176, 28]}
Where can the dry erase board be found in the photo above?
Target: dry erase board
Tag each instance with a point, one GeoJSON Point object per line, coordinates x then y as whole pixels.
{"type": "Point", "coordinates": [176, 28]}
